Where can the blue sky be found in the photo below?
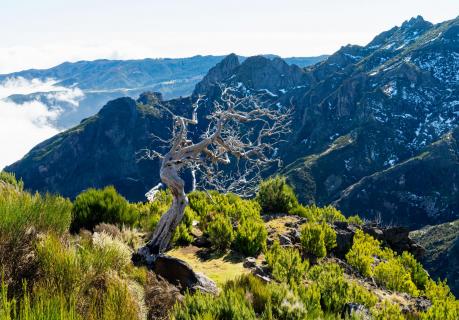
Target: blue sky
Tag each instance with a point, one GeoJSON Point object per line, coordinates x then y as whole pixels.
{"type": "Point", "coordinates": [42, 33]}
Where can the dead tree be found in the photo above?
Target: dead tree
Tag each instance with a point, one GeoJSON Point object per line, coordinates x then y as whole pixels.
{"type": "Point", "coordinates": [242, 132]}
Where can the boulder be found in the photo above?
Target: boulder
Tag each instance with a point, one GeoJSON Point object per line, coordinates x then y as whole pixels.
{"type": "Point", "coordinates": [180, 273]}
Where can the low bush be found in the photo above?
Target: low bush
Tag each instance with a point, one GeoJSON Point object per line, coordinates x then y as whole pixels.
{"type": "Point", "coordinates": [10, 178]}
{"type": "Point", "coordinates": [363, 251]}
{"type": "Point", "coordinates": [95, 206]}
{"type": "Point", "coordinates": [313, 213]}
{"type": "Point", "coordinates": [221, 233]}
{"type": "Point", "coordinates": [20, 211]}
{"type": "Point", "coordinates": [393, 275]}
{"type": "Point", "coordinates": [276, 196]}
{"type": "Point", "coordinates": [355, 220]}
{"type": "Point", "coordinates": [286, 265]}
{"type": "Point", "coordinates": [317, 238]}
{"type": "Point", "coordinates": [335, 290]}
{"type": "Point", "coordinates": [251, 236]}
{"type": "Point", "coordinates": [386, 311]}
{"type": "Point", "coordinates": [182, 235]}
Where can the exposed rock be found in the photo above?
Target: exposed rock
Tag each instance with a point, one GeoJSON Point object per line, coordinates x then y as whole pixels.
{"type": "Point", "coordinates": [356, 309]}
{"type": "Point", "coordinates": [180, 273]}
{"type": "Point", "coordinates": [250, 262]}
{"type": "Point", "coordinates": [397, 238]}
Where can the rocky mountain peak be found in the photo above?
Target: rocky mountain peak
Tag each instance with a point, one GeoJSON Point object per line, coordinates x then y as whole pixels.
{"type": "Point", "coordinates": [220, 72]}
{"type": "Point", "coordinates": [150, 98]}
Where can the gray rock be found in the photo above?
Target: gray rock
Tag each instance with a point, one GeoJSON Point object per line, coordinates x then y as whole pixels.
{"type": "Point", "coordinates": [180, 273]}
{"type": "Point", "coordinates": [356, 309]}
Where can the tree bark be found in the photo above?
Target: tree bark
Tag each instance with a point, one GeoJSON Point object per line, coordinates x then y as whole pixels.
{"type": "Point", "coordinates": [161, 239]}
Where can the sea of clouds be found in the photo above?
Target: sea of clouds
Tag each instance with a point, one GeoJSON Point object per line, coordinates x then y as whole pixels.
{"type": "Point", "coordinates": [24, 125]}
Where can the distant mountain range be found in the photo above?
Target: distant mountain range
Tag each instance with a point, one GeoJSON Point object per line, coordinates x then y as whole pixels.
{"type": "Point", "coordinates": [102, 80]}
{"type": "Point", "coordinates": [374, 130]}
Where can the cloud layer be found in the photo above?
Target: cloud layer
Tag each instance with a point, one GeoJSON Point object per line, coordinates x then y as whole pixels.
{"type": "Point", "coordinates": [22, 126]}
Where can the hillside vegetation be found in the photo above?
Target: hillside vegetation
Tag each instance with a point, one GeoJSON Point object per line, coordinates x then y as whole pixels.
{"type": "Point", "coordinates": [72, 260]}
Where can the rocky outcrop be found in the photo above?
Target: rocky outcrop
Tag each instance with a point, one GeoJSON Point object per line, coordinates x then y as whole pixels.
{"type": "Point", "coordinates": [180, 273]}
{"type": "Point", "coordinates": [217, 74]}
{"type": "Point", "coordinates": [396, 238]}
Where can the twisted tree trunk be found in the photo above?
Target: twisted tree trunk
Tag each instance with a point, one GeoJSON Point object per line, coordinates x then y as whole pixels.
{"type": "Point", "coordinates": [161, 239]}
{"type": "Point", "coordinates": [164, 230]}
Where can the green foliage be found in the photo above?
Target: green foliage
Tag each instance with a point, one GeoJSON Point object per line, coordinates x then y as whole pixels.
{"type": "Point", "coordinates": [418, 274]}
{"type": "Point", "coordinates": [182, 235]}
{"type": "Point", "coordinates": [355, 220]}
{"type": "Point", "coordinates": [221, 233]}
{"type": "Point", "coordinates": [207, 205]}
{"type": "Point", "coordinates": [10, 178]}
{"type": "Point", "coordinates": [251, 236]}
{"type": "Point", "coordinates": [317, 238]}
{"type": "Point", "coordinates": [444, 304]}
{"type": "Point", "coordinates": [393, 275]}
{"type": "Point", "coordinates": [60, 265]}
{"type": "Point", "coordinates": [399, 273]}
{"type": "Point", "coordinates": [217, 213]}
{"type": "Point", "coordinates": [276, 196]}
{"type": "Point", "coordinates": [387, 311]}
{"type": "Point", "coordinates": [20, 211]}
{"type": "Point", "coordinates": [327, 214]}
{"type": "Point", "coordinates": [286, 265]}
{"type": "Point", "coordinates": [150, 212]}
{"type": "Point", "coordinates": [335, 290]}
{"type": "Point", "coordinates": [361, 255]}
{"type": "Point", "coordinates": [94, 206]}
{"type": "Point", "coordinates": [244, 298]}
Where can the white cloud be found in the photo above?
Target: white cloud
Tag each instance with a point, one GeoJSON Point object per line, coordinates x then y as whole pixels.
{"type": "Point", "coordinates": [22, 126]}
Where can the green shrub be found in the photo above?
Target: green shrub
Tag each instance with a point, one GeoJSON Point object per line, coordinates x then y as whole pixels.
{"type": "Point", "coordinates": [208, 205]}
{"type": "Point", "coordinates": [182, 235]}
{"type": "Point", "coordinates": [94, 206]}
{"type": "Point", "coordinates": [335, 290]}
{"type": "Point", "coordinates": [387, 311]}
{"type": "Point", "coordinates": [328, 214]}
{"type": "Point", "coordinates": [276, 196]}
{"type": "Point", "coordinates": [10, 179]}
{"type": "Point", "coordinates": [251, 236]}
{"type": "Point", "coordinates": [444, 304]}
{"type": "Point", "coordinates": [313, 240]}
{"type": "Point", "coordinates": [317, 238]}
{"type": "Point", "coordinates": [150, 212]}
{"type": "Point", "coordinates": [20, 211]}
{"type": "Point", "coordinates": [418, 274]}
{"type": "Point", "coordinates": [43, 304]}
{"type": "Point", "coordinates": [59, 265]}
{"type": "Point", "coordinates": [286, 265]}
{"type": "Point", "coordinates": [393, 275]}
{"type": "Point", "coordinates": [364, 249]}
{"type": "Point", "coordinates": [221, 233]}
{"type": "Point", "coordinates": [355, 220]}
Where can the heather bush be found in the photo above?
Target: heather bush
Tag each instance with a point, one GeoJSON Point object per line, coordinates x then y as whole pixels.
{"type": "Point", "coordinates": [363, 251]}
{"type": "Point", "coordinates": [10, 178]}
{"type": "Point", "coordinates": [386, 311]}
{"type": "Point", "coordinates": [94, 206]}
{"type": "Point", "coordinates": [335, 290]}
{"type": "Point", "coordinates": [317, 238]}
{"type": "Point", "coordinates": [20, 211]}
{"type": "Point", "coordinates": [276, 196]}
{"type": "Point", "coordinates": [221, 233]}
{"type": "Point", "coordinates": [328, 214]}
{"type": "Point", "coordinates": [182, 235]}
{"type": "Point", "coordinates": [286, 265]}
{"type": "Point", "coordinates": [251, 236]}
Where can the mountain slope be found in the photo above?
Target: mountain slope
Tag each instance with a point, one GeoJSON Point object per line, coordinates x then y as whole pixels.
{"type": "Point", "coordinates": [362, 117]}
{"type": "Point", "coordinates": [441, 258]}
